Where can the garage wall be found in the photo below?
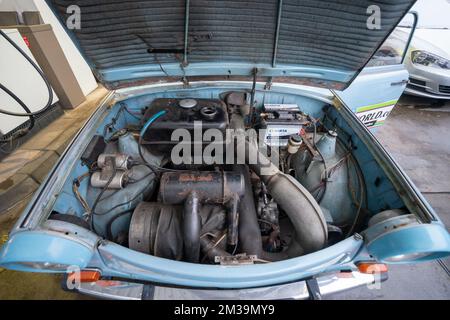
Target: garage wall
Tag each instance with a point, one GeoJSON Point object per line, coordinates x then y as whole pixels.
{"type": "Point", "coordinates": [77, 63]}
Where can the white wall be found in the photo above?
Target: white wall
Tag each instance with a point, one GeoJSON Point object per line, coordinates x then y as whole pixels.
{"type": "Point", "coordinates": [18, 5]}
{"type": "Point", "coordinates": [19, 76]}
{"type": "Point", "coordinates": [79, 66]}
{"type": "Point", "coordinates": [77, 63]}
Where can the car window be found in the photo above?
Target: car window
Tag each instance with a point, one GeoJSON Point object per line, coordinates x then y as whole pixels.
{"type": "Point", "coordinates": [393, 48]}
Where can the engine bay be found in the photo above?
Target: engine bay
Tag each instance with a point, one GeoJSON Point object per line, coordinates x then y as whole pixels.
{"type": "Point", "coordinates": [296, 189]}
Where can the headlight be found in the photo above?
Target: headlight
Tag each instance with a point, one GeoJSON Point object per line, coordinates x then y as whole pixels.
{"type": "Point", "coordinates": [425, 58]}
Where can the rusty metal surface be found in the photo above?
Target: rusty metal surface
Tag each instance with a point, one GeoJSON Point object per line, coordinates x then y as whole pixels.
{"type": "Point", "coordinates": [238, 259]}
{"type": "Point", "coordinates": [210, 186]}
{"type": "Point", "coordinates": [303, 81]}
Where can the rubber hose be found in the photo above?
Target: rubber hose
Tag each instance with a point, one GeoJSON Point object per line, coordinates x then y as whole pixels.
{"type": "Point", "coordinates": [21, 103]}
{"type": "Point", "coordinates": [36, 67]}
{"type": "Point", "coordinates": [191, 228]}
{"type": "Point", "coordinates": [250, 240]}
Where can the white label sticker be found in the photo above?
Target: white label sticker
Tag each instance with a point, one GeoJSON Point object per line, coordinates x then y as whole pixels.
{"type": "Point", "coordinates": [280, 106]}
{"type": "Point", "coordinates": [278, 135]}
{"type": "Point", "coordinates": [374, 117]}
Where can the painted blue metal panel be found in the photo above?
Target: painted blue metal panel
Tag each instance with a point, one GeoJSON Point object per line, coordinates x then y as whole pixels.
{"type": "Point", "coordinates": [115, 260]}
{"type": "Point", "coordinates": [26, 251]}
{"type": "Point", "coordinates": [381, 194]}
{"type": "Point", "coordinates": [135, 72]}
{"type": "Point", "coordinates": [121, 262]}
{"type": "Point", "coordinates": [417, 243]}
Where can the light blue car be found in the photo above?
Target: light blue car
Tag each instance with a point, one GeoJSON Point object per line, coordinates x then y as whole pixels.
{"type": "Point", "coordinates": [126, 219]}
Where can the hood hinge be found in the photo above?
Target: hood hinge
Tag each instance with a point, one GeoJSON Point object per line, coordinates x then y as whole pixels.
{"type": "Point", "coordinates": [185, 82]}
{"type": "Point", "coordinates": [268, 84]}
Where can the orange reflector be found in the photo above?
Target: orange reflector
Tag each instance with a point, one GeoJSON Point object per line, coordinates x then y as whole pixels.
{"type": "Point", "coordinates": [372, 267]}
{"type": "Point", "coordinates": [85, 276]}
{"type": "Point", "coordinates": [108, 283]}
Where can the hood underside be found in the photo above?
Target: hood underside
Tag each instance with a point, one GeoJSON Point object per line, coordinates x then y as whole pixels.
{"type": "Point", "coordinates": [322, 43]}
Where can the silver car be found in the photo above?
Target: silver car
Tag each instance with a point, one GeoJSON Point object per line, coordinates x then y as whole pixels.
{"type": "Point", "coordinates": [428, 63]}
{"type": "Point", "coordinates": [428, 56]}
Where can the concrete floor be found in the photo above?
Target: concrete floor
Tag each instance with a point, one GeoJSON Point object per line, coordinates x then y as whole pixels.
{"type": "Point", "coordinates": [416, 134]}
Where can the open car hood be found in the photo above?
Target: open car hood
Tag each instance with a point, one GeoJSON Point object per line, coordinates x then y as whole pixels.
{"type": "Point", "coordinates": [318, 43]}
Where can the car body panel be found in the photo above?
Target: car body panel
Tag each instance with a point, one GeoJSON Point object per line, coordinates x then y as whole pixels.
{"type": "Point", "coordinates": [51, 252]}
{"type": "Point", "coordinates": [384, 78]}
{"type": "Point", "coordinates": [413, 241]}
{"type": "Point", "coordinates": [119, 262]}
{"type": "Point", "coordinates": [326, 284]}
{"type": "Point", "coordinates": [428, 82]}
{"type": "Point", "coordinates": [382, 86]}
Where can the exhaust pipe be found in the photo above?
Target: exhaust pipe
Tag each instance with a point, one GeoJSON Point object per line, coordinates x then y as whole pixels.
{"type": "Point", "coordinates": [194, 188]}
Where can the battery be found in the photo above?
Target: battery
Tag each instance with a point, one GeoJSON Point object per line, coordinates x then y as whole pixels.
{"type": "Point", "coordinates": [281, 121]}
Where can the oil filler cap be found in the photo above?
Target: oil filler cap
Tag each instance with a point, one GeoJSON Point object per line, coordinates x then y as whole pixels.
{"type": "Point", "coordinates": [187, 103]}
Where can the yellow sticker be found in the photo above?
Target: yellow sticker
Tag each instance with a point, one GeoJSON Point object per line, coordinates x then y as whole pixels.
{"type": "Point", "coordinates": [3, 239]}
{"type": "Point", "coordinates": [375, 116]}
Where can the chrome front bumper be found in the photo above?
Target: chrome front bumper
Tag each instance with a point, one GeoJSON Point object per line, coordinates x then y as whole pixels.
{"type": "Point", "coordinates": [327, 284]}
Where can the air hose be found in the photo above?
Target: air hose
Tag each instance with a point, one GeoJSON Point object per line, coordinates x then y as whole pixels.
{"type": "Point", "coordinates": [28, 112]}
{"type": "Point", "coordinates": [144, 129]}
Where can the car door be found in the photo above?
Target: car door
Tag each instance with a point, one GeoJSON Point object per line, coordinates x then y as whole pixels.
{"type": "Point", "coordinates": [376, 90]}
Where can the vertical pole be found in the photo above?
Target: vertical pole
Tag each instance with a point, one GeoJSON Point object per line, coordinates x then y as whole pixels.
{"type": "Point", "coordinates": [277, 33]}
{"type": "Point", "coordinates": [186, 32]}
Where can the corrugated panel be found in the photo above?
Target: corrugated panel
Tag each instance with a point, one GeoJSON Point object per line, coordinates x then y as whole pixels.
{"type": "Point", "coordinates": [329, 34]}
{"type": "Point", "coordinates": [333, 33]}
{"type": "Point", "coordinates": [239, 30]}
{"type": "Point", "coordinates": [118, 33]}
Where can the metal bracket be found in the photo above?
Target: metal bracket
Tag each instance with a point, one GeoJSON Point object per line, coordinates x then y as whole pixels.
{"type": "Point", "coordinates": [268, 84]}
{"type": "Point", "coordinates": [235, 260]}
{"type": "Point", "coordinates": [313, 289]}
{"type": "Point", "coordinates": [310, 146]}
{"type": "Point", "coordinates": [185, 82]}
